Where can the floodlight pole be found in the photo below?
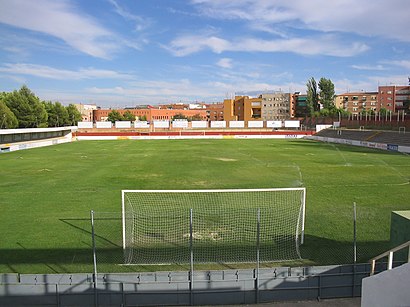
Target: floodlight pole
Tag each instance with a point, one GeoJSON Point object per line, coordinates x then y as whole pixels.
{"type": "Point", "coordinates": [94, 260]}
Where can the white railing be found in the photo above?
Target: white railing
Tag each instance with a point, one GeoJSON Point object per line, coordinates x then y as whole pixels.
{"type": "Point", "coordinates": [389, 254]}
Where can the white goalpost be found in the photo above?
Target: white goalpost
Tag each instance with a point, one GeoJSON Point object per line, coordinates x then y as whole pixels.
{"type": "Point", "coordinates": [225, 226]}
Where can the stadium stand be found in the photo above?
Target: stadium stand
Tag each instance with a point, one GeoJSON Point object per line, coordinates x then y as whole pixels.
{"type": "Point", "coordinates": [375, 136]}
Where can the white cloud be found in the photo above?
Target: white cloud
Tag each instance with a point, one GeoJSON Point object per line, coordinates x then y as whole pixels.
{"type": "Point", "coordinates": [369, 67]}
{"type": "Point", "coordinates": [185, 45]}
{"type": "Point", "coordinates": [59, 19]}
{"type": "Point", "coordinates": [405, 64]}
{"type": "Point", "coordinates": [140, 22]}
{"type": "Point", "coordinates": [61, 74]}
{"type": "Point", "coordinates": [225, 63]}
{"type": "Point", "coordinates": [378, 18]}
{"type": "Point", "coordinates": [320, 45]}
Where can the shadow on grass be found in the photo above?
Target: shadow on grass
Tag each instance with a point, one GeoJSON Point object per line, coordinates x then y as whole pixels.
{"type": "Point", "coordinates": [315, 251]}
{"type": "Point", "coordinates": [322, 251]}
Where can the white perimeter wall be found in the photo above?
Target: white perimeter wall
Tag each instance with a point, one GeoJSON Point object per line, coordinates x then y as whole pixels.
{"type": "Point", "coordinates": [37, 143]}
{"type": "Point", "coordinates": [141, 124]}
{"type": "Point", "coordinates": [199, 124]}
{"type": "Point", "coordinates": [103, 124]}
{"type": "Point", "coordinates": [236, 124]}
{"type": "Point", "coordinates": [180, 137]}
{"type": "Point", "coordinates": [122, 124]}
{"type": "Point", "coordinates": [273, 124]}
{"type": "Point", "coordinates": [85, 125]}
{"type": "Point", "coordinates": [161, 124]}
{"type": "Point", "coordinates": [180, 124]}
{"type": "Point", "coordinates": [390, 147]}
{"type": "Point", "coordinates": [255, 124]}
{"type": "Point", "coordinates": [218, 124]}
{"type": "Point", "coordinates": [292, 124]}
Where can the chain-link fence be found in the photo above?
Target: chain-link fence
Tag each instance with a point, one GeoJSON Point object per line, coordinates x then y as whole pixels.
{"type": "Point", "coordinates": [257, 242]}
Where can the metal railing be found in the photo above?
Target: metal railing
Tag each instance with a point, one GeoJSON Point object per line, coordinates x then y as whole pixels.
{"type": "Point", "coordinates": [389, 254]}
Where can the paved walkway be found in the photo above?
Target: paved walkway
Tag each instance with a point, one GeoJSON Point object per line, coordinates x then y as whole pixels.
{"type": "Point", "coordinates": [340, 302]}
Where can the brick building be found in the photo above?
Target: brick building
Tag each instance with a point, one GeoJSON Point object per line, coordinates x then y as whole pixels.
{"type": "Point", "coordinates": [243, 108]}
{"type": "Point", "coordinates": [151, 114]}
{"type": "Point", "coordinates": [269, 106]}
{"type": "Point", "coordinates": [358, 102]}
{"type": "Point", "coordinates": [394, 97]}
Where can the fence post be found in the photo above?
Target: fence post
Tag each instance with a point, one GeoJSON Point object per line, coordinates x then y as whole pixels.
{"type": "Point", "coordinates": [191, 271]}
{"type": "Point", "coordinates": [94, 260]}
{"type": "Point", "coordinates": [390, 261]}
{"type": "Point", "coordinates": [258, 231]}
{"type": "Point", "coordinates": [354, 234]}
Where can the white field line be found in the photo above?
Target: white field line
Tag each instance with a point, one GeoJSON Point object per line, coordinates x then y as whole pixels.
{"type": "Point", "coordinates": [341, 154]}
{"type": "Point", "coordinates": [397, 172]}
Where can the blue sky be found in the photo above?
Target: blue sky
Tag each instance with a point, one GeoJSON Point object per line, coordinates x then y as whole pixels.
{"type": "Point", "coordinates": [117, 53]}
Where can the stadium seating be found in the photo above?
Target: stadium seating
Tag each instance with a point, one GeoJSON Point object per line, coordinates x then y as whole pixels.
{"type": "Point", "coordinates": [376, 136]}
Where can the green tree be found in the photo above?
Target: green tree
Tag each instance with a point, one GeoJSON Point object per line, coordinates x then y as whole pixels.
{"type": "Point", "coordinates": [327, 94]}
{"type": "Point", "coordinates": [143, 118]}
{"type": "Point", "coordinates": [129, 116]}
{"type": "Point", "coordinates": [312, 99]}
{"type": "Point", "coordinates": [179, 116]}
{"type": "Point", "coordinates": [406, 104]}
{"type": "Point", "coordinates": [114, 115]}
{"type": "Point", "coordinates": [74, 116]}
{"type": "Point", "coordinates": [27, 108]}
{"type": "Point", "coordinates": [383, 111]}
{"type": "Point", "coordinates": [57, 114]}
{"type": "Point", "coordinates": [7, 118]}
{"type": "Point", "coordinates": [196, 117]}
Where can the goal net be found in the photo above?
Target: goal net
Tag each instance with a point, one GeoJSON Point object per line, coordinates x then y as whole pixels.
{"type": "Point", "coordinates": [222, 226]}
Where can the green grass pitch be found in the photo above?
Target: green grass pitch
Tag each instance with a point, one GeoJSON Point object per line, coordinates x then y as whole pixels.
{"type": "Point", "coordinates": [46, 194]}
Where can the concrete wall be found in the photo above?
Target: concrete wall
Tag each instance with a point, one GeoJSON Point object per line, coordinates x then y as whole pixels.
{"type": "Point", "coordinates": [176, 288]}
{"type": "Point", "coordinates": [388, 288]}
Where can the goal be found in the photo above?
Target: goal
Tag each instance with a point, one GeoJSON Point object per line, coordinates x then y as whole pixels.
{"type": "Point", "coordinates": [204, 226]}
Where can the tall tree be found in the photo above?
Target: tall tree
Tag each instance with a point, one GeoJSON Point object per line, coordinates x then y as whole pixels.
{"type": "Point", "coordinates": [327, 94]}
{"type": "Point", "coordinates": [129, 116]}
{"type": "Point", "coordinates": [57, 114]}
{"type": "Point", "coordinates": [7, 118]}
{"type": "Point", "coordinates": [114, 115]}
{"type": "Point", "coordinates": [312, 99]}
{"type": "Point", "coordinates": [179, 116]}
{"type": "Point", "coordinates": [27, 108]}
{"type": "Point", "coordinates": [74, 116]}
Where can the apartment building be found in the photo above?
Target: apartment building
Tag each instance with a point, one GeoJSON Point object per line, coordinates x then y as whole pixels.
{"type": "Point", "coordinates": [358, 102]}
{"type": "Point", "coordinates": [215, 111]}
{"type": "Point", "coordinates": [268, 106]}
{"type": "Point", "coordinates": [86, 111]}
{"type": "Point", "coordinates": [243, 108]}
{"type": "Point", "coordinates": [298, 105]}
{"type": "Point", "coordinates": [393, 97]}
{"type": "Point", "coordinates": [275, 106]}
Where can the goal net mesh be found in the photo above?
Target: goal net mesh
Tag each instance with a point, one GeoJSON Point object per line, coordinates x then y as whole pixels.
{"type": "Point", "coordinates": [222, 226]}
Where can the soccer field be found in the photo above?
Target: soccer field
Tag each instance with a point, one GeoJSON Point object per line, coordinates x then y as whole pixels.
{"type": "Point", "coordinates": [47, 193]}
